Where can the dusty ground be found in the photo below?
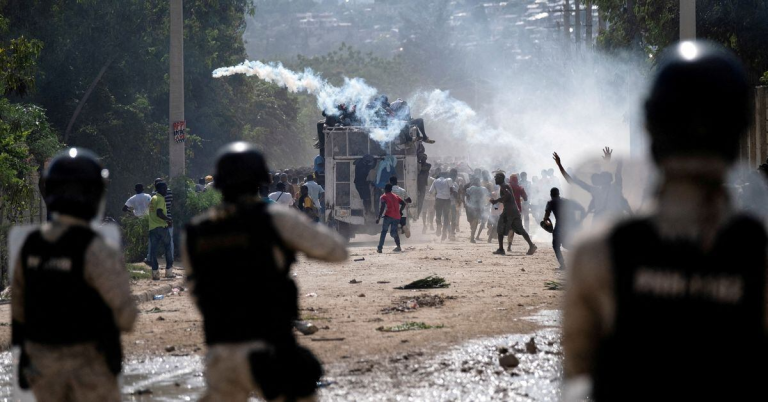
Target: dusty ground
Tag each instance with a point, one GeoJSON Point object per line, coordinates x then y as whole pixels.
{"type": "Point", "coordinates": [488, 296]}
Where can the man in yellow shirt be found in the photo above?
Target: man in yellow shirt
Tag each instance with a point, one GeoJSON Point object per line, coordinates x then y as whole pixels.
{"type": "Point", "coordinates": [159, 234]}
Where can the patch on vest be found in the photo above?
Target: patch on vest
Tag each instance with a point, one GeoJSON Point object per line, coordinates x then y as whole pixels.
{"type": "Point", "coordinates": [719, 288]}
{"type": "Point", "coordinates": [53, 264]}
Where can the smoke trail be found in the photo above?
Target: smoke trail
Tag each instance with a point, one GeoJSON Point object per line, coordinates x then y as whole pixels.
{"type": "Point", "coordinates": [354, 92]}
{"type": "Point", "coordinates": [435, 106]}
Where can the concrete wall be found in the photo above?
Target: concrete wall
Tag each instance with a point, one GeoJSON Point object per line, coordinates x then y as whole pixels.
{"type": "Point", "coordinates": [754, 148]}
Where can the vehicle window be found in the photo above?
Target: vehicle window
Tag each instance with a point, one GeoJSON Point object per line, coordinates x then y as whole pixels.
{"type": "Point", "coordinates": [377, 149]}
{"type": "Point", "coordinates": [358, 143]}
{"type": "Point", "coordinates": [339, 143]}
{"type": "Point", "coordinates": [343, 172]}
{"type": "Point", "coordinates": [343, 198]}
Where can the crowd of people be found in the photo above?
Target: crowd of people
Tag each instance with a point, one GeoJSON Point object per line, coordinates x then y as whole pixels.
{"type": "Point", "coordinates": [504, 204]}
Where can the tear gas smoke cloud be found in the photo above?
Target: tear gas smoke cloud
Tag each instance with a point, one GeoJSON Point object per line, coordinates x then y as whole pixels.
{"type": "Point", "coordinates": [574, 106]}
{"type": "Point", "coordinates": [436, 105]}
{"type": "Point", "coordinates": [355, 91]}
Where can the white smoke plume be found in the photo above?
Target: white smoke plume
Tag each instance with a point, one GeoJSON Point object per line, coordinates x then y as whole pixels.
{"type": "Point", "coordinates": [575, 109]}
{"type": "Point", "coordinates": [463, 121]}
{"type": "Point", "coordinates": [436, 105]}
{"type": "Point", "coordinates": [354, 92]}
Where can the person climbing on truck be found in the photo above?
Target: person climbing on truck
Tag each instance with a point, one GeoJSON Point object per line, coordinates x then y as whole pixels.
{"type": "Point", "coordinates": [401, 111]}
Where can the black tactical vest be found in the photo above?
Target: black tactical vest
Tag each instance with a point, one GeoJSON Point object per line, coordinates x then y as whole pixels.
{"type": "Point", "coordinates": [240, 290]}
{"type": "Point", "coordinates": [690, 325]}
{"type": "Point", "coordinates": [60, 308]}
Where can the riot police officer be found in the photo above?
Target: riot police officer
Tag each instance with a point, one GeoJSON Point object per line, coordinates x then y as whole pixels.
{"type": "Point", "coordinates": [238, 256]}
{"type": "Point", "coordinates": [71, 295]}
{"type": "Point", "coordinates": [672, 306]}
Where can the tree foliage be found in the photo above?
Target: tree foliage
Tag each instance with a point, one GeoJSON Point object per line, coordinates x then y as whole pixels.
{"type": "Point", "coordinates": [125, 118]}
{"type": "Point", "coordinates": [653, 25]}
{"type": "Point", "coordinates": [27, 141]}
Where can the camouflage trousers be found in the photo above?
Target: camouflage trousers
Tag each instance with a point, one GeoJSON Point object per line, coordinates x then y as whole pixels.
{"type": "Point", "coordinates": [228, 374]}
{"type": "Point", "coordinates": [70, 373]}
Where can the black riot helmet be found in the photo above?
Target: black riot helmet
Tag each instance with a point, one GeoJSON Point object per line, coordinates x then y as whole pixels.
{"type": "Point", "coordinates": [74, 183]}
{"type": "Point", "coordinates": [699, 104]}
{"type": "Point", "coordinates": [240, 171]}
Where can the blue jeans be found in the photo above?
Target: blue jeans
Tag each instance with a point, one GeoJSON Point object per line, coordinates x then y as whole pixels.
{"type": "Point", "coordinates": [160, 238]}
{"type": "Point", "coordinates": [170, 232]}
{"type": "Point", "coordinates": [390, 224]}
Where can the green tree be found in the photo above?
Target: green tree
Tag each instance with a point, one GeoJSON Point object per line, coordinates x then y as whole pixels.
{"type": "Point", "coordinates": [104, 82]}
{"type": "Point", "coordinates": [652, 25]}
{"type": "Point", "coordinates": [27, 141]}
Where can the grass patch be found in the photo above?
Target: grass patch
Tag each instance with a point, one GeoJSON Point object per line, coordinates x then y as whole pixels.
{"type": "Point", "coordinates": [553, 285]}
{"type": "Point", "coordinates": [409, 326]}
{"type": "Point", "coordinates": [139, 271]}
{"type": "Point", "coordinates": [430, 282]}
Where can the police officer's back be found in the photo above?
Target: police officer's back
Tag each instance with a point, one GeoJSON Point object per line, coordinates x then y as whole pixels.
{"type": "Point", "coordinates": [672, 306]}
{"type": "Point", "coordinates": [71, 295]}
{"type": "Point", "coordinates": [238, 256]}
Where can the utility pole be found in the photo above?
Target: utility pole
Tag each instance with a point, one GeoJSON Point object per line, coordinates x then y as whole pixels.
{"type": "Point", "coordinates": [176, 124]}
{"type": "Point", "coordinates": [567, 21]}
{"type": "Point", "coordinates": [637, 136]}
{"type": "Point", "coordinates": [577, 22]}
{"type": "Point", "coordinates": [588, 22]}
{"type": "Point", "coordinates": [687, 20]}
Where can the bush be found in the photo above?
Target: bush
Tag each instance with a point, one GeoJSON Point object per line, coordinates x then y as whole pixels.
{"type": "Point", "coordinates": [186, 205]}
{"type": "Point", "coordinates": [135, 237]}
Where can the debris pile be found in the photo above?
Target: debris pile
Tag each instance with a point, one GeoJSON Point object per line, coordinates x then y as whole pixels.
{"type": "Point", "coordinates": [410, 303]}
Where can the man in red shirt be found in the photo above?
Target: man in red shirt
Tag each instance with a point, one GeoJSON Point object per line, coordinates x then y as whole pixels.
{"type": "Point", "coordinates": [393, 205]}
{"type": "Point", "coordinates": [518, 192]}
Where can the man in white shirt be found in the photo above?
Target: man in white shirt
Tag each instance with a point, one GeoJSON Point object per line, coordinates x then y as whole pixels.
{"type": "Point", "coordinates": [281, 196]}
{"type": "Point", "coordinates": [138, 203]}
{"type": "Point", "coordinates": [428, 208]}
{"type": "Point", "coordinates": [316, 193]}
{"type": "Point", "coordinates": [442, 187]}
{"type": "Point", "coordinates": [315, 190]}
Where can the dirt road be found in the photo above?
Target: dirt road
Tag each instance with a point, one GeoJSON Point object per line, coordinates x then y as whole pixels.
{"type": "Point", "coordinates": [487, 306]}
{"type": "Point", "coordinates": [488, 296]}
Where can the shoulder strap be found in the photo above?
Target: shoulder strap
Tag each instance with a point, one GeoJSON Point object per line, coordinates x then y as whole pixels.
{"type": "Point", "coordinates": [33, 240]}
{"type": "Point", "coordinates": [77, 238]}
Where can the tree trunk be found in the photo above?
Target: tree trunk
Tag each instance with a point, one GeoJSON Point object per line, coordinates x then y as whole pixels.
{"type": "Point", "coordinates": [85, 98]}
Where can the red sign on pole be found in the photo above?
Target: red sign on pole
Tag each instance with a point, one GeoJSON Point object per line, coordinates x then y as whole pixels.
{"type": "Point", "coordinates": [178, 131]}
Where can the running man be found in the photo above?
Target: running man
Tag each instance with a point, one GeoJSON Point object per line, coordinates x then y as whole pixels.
{"type": "Point", "coordinates": [566, 221]}
{"type": "Point", "coordinates": [510, 219]}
